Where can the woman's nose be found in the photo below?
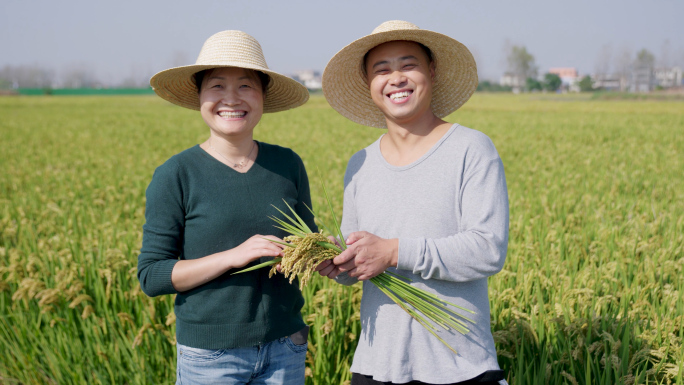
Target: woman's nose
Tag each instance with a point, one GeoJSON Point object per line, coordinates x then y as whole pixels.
{"type": "Point", "coordinates": [230, 97]}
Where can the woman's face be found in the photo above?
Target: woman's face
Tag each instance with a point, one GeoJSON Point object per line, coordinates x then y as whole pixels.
{"type": "Point", "coordinates": [231, 101]}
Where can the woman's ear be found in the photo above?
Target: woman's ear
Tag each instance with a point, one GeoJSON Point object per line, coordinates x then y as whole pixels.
{"type": "Point", "coordinates": [432, 71]}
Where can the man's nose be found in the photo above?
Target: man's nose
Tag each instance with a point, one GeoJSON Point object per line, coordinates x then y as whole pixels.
{"type": "Point", "coordinates": [397, 78]}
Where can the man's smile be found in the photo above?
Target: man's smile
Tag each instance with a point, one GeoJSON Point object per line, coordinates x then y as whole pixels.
{"type": "Point", "coordinates": [400, 96]}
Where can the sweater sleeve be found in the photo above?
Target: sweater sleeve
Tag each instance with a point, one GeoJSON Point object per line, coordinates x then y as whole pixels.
{"type": "Point", "coordinates": [304, 206]}
{"type": "Point", "coordinates": [162, 232]}
{"type": "Point", "coordinates": [478, 250]}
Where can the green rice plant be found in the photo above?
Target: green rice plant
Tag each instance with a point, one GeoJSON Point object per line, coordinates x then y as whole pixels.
{"type": "Point", "coordinates": [596, 246]}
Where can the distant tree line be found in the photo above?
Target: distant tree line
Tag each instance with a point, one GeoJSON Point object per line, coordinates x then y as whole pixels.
{"type": "Point", "coordinates": [522, 71]}
{"type": "Point", "coordinates": [25, 77]}
{"type": "Point", "coordinates": [34, 76]}
{"type": "Point", "coordinates": [520, 65]}
{"type": "Point", "coordinates": [488, 86]}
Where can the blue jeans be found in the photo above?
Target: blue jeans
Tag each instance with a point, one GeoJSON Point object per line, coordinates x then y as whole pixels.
{"type": "Point", "coordinates": [278, 362]}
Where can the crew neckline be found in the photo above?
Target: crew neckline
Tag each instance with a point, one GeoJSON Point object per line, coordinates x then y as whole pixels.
{"type": "Point", "coordinates": [427, 154]}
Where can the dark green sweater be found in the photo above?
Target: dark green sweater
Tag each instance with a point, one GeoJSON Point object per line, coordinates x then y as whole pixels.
{"type": "Point", "coordinates": [197, 206]}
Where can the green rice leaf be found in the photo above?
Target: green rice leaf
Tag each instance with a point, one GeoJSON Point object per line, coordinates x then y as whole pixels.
{"type": "Point", "coordinates": [330, 246]}
{"type": "Point", "coordinates": [259, 266]}
{"type": "Point", "coordinates": [338, 230]}
{"type": "Point", "coordinates": [278, 242]}
{"type": "Point", "coordinates": [299, 224]}
{"type": "Point", "coordinates": [292, 230]}
{"type": "Point", "coordinates": [302, 224]}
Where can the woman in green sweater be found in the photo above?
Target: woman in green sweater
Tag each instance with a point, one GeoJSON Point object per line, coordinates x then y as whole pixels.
{"type": "Point", "coordinates": [207, 214]}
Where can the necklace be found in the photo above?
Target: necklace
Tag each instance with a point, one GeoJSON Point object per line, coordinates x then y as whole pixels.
{"type": "Point", "coordinates": [235, 165]}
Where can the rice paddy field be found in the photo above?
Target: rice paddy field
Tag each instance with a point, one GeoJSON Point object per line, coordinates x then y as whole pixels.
{"type": "Point", "coordinates": [591, 292]}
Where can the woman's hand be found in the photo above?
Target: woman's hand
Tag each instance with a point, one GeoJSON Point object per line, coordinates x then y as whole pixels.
{"type": "Point", "coordinates": [188, 274]}
{"type": "Point", "coordinates": [254, 248]}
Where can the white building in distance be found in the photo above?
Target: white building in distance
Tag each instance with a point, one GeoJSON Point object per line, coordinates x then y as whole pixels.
{"type": "Point", "coordinates": [517, 83]}
{"type": "Point", "coordinates": [310, 78]}
{"type": "Point", "coordinates": [569, 77]}
{"type": "Point", "coordinates": [668, 77]}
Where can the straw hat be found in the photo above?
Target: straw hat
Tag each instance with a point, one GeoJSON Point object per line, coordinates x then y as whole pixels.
{"type": "Point", "coordinates": [344, 82]}
{"type": "Point", "coordinates": [228, 49]}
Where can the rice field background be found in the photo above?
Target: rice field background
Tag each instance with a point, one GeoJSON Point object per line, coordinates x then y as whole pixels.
{"type": "Point", "coordinates": [591, 292]}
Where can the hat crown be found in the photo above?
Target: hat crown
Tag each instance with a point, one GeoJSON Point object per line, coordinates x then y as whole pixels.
{"type": "Point", "coordinates": [394, 25]}
{"type": "Point", "coordinates": [232, 48]}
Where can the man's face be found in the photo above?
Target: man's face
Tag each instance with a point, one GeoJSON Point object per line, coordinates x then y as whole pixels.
{"type": "Point", "coordinates": [400, 79]}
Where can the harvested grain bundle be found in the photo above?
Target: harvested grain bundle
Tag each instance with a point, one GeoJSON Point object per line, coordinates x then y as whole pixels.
{"type": "Point", "coordinates": [303, 258]}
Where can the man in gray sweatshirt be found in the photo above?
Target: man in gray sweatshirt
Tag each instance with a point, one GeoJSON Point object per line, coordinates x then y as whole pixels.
{"type": "Point", "coordinates": [427, 200]}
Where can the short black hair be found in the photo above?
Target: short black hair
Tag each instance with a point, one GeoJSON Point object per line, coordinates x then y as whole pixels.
{"type": "Point", "coordinates": [425, 49]}
{"type": "Point", "coordinates": [263, 79]}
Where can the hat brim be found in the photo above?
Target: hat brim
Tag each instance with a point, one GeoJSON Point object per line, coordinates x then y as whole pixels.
{"type": "Point", "coordinates": [346, 89]}
{"type": "Point", "coordinates": [177, 85]}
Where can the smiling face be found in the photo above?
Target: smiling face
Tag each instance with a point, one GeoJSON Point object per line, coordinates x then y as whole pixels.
{"type": "Point", "coordinates": [231, 101]}
{"type": "Point", "coordinates": [400, 79]}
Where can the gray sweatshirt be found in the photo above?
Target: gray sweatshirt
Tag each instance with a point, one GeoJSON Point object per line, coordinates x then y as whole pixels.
{"type": "Point", "coordinates": [449, 210]}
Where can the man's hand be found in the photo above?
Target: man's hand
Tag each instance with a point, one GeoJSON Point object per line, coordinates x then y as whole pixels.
{"type": "Point", "coordinates": [327, 268]}
{"type": "Point", "coordinates": [366, 256]}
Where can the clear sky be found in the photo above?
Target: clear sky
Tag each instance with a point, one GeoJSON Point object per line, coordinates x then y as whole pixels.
{"type": "Point", "coordinates": [137, 38]}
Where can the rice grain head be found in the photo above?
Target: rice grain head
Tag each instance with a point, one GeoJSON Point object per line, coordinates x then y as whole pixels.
{"type": "Point", "coordinates": [304, 257]}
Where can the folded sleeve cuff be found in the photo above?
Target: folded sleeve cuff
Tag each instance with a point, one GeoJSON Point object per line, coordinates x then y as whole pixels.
{"type": "Point", "coordinates": [157, 280]}
{"type": "Point", "coordinates": [408, 253]}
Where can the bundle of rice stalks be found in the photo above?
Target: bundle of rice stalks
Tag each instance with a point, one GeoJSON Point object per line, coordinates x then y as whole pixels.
{"type": "Point", "coordinates": [304, 250]}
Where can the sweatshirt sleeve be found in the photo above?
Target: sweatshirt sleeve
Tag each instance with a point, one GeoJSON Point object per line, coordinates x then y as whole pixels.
{"type": "Point", "coordinates": [478, 250]}
{"type": "Point", "coordinates": [162, 232]}
{"type": "Point", "coordinates": [349, 220]}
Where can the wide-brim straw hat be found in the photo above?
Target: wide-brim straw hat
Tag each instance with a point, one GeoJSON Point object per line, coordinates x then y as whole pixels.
{"type": "Point", "coordinates": [346, 89]}
{"type": "Point", "coordinates": [228, 49]}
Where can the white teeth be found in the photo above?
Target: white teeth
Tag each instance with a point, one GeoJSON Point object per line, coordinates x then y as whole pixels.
{"type": "Point", "coordinates": [232, 114]}
{"type": "Point", "coordinates": [399, 95]}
